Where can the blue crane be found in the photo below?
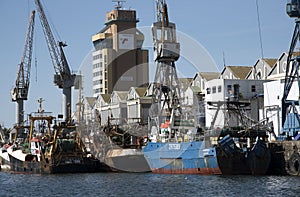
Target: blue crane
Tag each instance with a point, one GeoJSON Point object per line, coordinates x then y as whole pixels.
{"type": "Point", "coordinates": [289, 111]}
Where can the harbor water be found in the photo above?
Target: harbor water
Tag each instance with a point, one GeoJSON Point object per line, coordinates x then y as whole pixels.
{"type": "Point", "coordinates": [146, 184]}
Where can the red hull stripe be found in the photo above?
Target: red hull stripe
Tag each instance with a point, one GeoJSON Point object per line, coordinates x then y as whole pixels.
{"type": "Point", "coordinates": [202, 171]}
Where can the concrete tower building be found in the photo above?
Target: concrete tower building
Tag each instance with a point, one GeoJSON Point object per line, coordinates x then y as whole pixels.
{"type": "Point", "coordinates": [119, 62]}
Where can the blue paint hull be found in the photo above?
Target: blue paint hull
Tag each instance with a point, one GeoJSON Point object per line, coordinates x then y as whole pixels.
{"type": "Point", "coordinates": [181, 158]}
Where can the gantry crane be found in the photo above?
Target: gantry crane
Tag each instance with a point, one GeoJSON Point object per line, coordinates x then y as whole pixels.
{"type": "Point", "coordinates": [165, 91]}
{"type": "Point", "coordinates": [20, 92]}
{"type": "Point", "coordinates": [63, 77]}
{"type": "Point", "coordinates": [290, 115]}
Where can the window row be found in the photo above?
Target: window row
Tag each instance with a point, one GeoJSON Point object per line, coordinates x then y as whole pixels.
{"type": "Point", "coordinates": [97, 82]}
{"type": "Point", "coordinates": [96, 74]}
{"type": "Point", "coordinates": [214, 89]}
{"type": "Point", "coordinates": [98, 90]}
{"type": "Point", "coordinates": [95, 57]}
{"type": "Point", "coordinates": [230, 89]}
{"type": "Point", "coordinates": [97, 65]}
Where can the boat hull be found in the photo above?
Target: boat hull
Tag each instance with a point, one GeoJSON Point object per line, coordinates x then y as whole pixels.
{"type": "Point", "coordinates": [285, 158]}
{"type": "Point", "coordinates": [130, 159]}
{"type": "Point", "coordinates": [181, 158]}
{"type": "Point", "coordinates": [4, 161]}
{"type": "Point", "coordinates": [234, 161]}
{"type": "Point", "coordinates": [65, 165]}
{"type": "Point", "coordinates": [127, 160]}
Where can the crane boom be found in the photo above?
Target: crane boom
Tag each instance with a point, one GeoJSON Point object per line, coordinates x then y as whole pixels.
{"type": "Point", "coordinates": [63, 77]}
{"type": "Point", "coordinates": [51, 43]}
{"type": "Point", "coordinates": [20, 92]}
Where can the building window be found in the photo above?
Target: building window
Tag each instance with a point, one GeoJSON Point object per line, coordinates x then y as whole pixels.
{"type": "Point", "coordinates": [259, 75]}
{"type": "Point", "coordinates": [97, 91]}
{"type": "Point", "coordinates": [284, 66]}
{"type": "Point", "coordinates": [236, 90]}
{"type": "Point", "coordinates": [229, 89]}
{"type": "Point", "coordinates": [208, 90]}
{"type": "Point", "coordinates": [96, 57]}
{"type": "Point", "coordinates": [253, 88]}
{"type": "Point", "coordinates": [97, 65]}
{"type": "Point", "coordinates": [214, 89]}
{"type": "Point", "coordinates": [219, 88]}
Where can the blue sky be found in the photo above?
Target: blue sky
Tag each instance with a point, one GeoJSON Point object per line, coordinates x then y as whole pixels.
{"type": "Point", "coordinates": [226, 27]}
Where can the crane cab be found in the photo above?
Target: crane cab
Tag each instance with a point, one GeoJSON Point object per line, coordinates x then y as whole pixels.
{"type": "Point", "coordinates": [165, 45]}
{"type": "Point", "coordinates": [293, 8]}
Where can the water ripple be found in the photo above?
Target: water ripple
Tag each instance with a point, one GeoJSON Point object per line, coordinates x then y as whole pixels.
{"type": "Point", "coordinates": [125, 184]}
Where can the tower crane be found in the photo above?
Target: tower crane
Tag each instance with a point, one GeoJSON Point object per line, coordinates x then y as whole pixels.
{"type": "Point", "coordinates": [290, 115]}
{"type": "Point", "coordinates": [165, 91]}
{"type": "Point", "coordinates": [63, 77]}
{"type": "Point", "coordinates": [20, 92]}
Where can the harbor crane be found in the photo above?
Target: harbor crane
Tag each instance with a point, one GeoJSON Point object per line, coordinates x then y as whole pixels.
{"type": "Point", "coordinates": [290, 115]}
{"type": "Point", "coordinates": [63, 77]}
{"type": "Point", "coordinates": [165, 91]}
{"type": "Point", "coordinates": [20, 92]}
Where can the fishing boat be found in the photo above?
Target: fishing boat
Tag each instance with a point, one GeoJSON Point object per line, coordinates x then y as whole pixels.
{"type": "Point", "coordinates": [51, 148]}
{"type": "Point", "coordinates": [125, 152]}
{"type": "Point", "coordinates": [17, 134]}
{"type": "Point", "coordinates": [181, 151]}
{"type": "Point", "coordinates": [118, 146]}
{"type": "Point", "coordinates": [176, 145]}
{"type": "Point", "coordinates": [4, 158]}
{"type": "Point", "coordinates": [243, 152]}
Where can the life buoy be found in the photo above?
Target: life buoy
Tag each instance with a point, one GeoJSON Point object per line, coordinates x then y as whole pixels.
{"type": "Point", "coordinates": [293, 165]}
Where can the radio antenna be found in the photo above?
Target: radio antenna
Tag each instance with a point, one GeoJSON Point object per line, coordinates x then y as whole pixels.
{"type": "Point", "coordinates": [119, 4]}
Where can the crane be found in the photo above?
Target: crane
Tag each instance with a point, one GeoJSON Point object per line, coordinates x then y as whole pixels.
{"type": "Point", "coordinates": [290, 116]}
{"type": "Point", "coordinates": [20, 92]}
{"type": "Point", "coordinates": [63, 77]}
{"type": "Point", "coordinates": [165, 88]}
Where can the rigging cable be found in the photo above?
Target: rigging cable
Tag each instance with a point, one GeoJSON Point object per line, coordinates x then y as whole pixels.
{"type": "Point", "coordinates": [259, 30]}
{"type": "Point", "coordinates": [260, 41]}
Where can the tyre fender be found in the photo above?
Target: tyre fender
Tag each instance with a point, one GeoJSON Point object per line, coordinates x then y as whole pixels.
{"type": "Point", "coordinates": [293, 165]}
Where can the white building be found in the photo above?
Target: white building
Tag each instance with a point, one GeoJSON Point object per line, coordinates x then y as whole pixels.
{"type": "Point", "coordinates": [261, 68]}
{"type": "Point", "coordinates": [224, 95]}
{"type": "Point", "coordinates": [235, 72]}
{"type": "Point", "coordinates": [138, 105]}
{"type": "Point", "coordinates": [201, 78]}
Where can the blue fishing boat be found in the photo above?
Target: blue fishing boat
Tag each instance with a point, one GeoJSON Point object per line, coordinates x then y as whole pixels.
{"type": "Point", "coordinates": [181, 158]}
{"type": "Point", "coordinates": [175, 146]}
